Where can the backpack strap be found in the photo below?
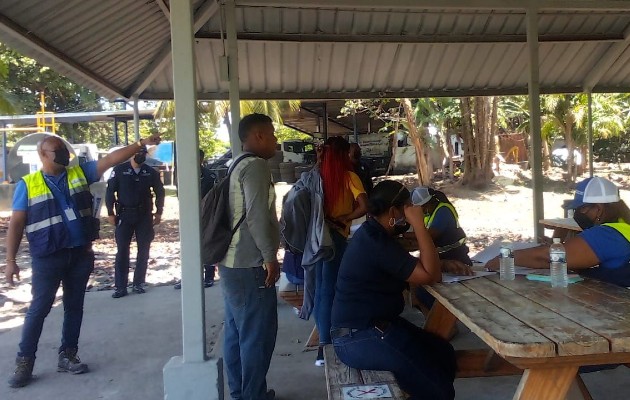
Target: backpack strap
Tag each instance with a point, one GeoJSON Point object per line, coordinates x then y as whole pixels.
{"type": "Point", "coordinates": [234, 164]}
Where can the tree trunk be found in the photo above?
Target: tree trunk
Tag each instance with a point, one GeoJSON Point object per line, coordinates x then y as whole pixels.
{"type": "Point", "coordinates": [478, 135]}
{"type": "Point", "coordinates": [568, 137]}
{"type": "Point", "coordinates": [546, 155]}
{"type": "Point", "coordinates": [424, 172]}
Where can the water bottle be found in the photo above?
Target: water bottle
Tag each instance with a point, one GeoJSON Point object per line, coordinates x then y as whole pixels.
{"type": "Point", "coordinates": [506, 262]}
{"type": "Point", "coordinates": [558, 266]}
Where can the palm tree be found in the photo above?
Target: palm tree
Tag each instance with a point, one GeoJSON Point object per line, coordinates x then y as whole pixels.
{"type": "Point", "coordinates": [213, 113]}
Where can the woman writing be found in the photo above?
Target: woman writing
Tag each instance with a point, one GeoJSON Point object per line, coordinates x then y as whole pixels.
{"type": "Point", "coordinates": [344, 200]}
{"type": "Point", "coordinates": [602, 250]}
{"type": "Point", "coordinates": [368, 332]}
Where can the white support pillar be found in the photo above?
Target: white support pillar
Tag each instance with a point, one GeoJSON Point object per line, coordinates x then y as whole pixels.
{"type": "Point", "coordinates": [193, 376]}
{"type": "Point", "coordinates": [534, 116]}
{"type": "Point", "coordinates": [235, 96]}
{"type": "Point", "coordinates": [136, 118]}
{"type": "Point", "coordinates": [589, 96]}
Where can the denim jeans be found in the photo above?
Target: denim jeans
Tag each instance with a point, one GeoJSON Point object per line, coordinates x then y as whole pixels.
{"type": "Point", "coordinates": [423, 364]}
{"type": "Point", "coordinates": [71, 267]}
{"type": "Point", "coordinates": [251, 326]}
{"type": "Point", "coordinates": [128, 223]}
{"type": "Point", "coordinates": [326, 273]}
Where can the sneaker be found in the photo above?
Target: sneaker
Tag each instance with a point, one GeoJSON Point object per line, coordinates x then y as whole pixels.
{"type": "Point", "coordinates": [138, 289]}
{"type": "Point", "coordinates": [119, 293]}
{"type": "Point", "coordinates": [178, 285]}
{"type": "Point", "coordinates": [319, 361]}
{"type": "Point", "coordinates": [70, 362]}
{"type": "Point", "coordinates": [208, 283]}
{"type": "Point", "coordinates": [23, 372]}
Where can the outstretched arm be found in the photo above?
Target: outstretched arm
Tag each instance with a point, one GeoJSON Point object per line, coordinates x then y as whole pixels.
{"type": "Point", "coordinates": [120, 155]}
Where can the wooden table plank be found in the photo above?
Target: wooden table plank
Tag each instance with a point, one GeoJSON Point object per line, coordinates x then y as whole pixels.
{"type": "Point", "coordinates": [570, 337]}
{"type": "Point", "coordinates": [501, 331]}
{"type": "Point", "coordinates": [578, 304]}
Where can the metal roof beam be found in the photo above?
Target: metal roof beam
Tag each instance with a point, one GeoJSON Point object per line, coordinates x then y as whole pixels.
{"type": "Point", "coordinates": [343, 38]}
{"type": "Point", "coordinates": [165, 10]}
{"type": "Point", "coordinates": [421, 93]}
{"type": "Point", "coordinates": [207, 10]}
{"type": "Point", "coordinates": [10, 28]}
{"type": "Point", "coordinates": [584, 5]}
{"type": "Point", "coordinates": [605, 62]}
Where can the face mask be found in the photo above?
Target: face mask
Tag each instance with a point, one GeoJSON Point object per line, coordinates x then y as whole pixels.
{"type": "Point", "coordinates": [62, 157]}
{"type": "Point", "coordinates": [401, 226]}
{"type": "Point", "coordinates": [140, 158]}
{"type": "Point", "coordinates": [583, 221]}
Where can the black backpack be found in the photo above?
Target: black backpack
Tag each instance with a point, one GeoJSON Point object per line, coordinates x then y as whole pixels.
{"type": "Point", "coordinates": [216, 224]}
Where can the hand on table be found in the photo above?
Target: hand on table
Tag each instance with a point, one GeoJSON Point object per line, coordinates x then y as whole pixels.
{"type": "Point", "coordinates": [493, 265]}
{"type": "Point", "coordinates": [456, 267]}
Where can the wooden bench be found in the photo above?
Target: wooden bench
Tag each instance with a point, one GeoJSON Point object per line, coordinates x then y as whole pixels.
{"type": "Point", "coordinates": [342, 379]}
{"type": "Point", "coordinates": [294, 296]}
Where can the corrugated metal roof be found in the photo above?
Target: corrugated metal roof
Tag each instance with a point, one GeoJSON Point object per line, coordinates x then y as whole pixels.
{"type": "Point", "coordinates": [297, 50]}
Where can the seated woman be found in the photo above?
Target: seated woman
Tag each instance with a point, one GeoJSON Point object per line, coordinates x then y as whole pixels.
{"type": "Point", "coordinates": [442, 222]}
{"type": "Point", "coordinates": [602, 250]}
{"type": "Point", "coordinates": [367, 330]}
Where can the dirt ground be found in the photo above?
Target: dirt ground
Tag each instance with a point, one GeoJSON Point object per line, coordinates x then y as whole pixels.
{"type": "Point", "coordinates": [502, 211]}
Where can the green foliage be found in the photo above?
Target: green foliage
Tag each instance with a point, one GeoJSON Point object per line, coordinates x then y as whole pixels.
{"type": "Point", "coordinates": [210, 144]}
{"type": "Point", "coordinates": [285, 133]}
{"type": "Point", "coordinates": [23, 80]}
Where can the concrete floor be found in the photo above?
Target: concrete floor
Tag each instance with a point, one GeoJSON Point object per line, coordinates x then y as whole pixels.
{"type": "Point", "coordinates": [127, 341]}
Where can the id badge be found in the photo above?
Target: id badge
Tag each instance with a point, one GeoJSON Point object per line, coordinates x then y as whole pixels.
{"type": "Point", "coordinates": [70, 215]}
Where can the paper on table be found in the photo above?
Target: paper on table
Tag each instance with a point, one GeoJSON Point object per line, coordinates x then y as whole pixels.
{"type": "Point", "coordinates": [449, 278]}
{"type": "Point", "coordinates": [492, 251]}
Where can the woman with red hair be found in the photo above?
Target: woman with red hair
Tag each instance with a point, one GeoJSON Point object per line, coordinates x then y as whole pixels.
{"type": "Point", "coordinates": [344, 200]}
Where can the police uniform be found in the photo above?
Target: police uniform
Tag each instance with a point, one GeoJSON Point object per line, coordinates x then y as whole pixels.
{"type": "Point", "coordinates": [129, 191]}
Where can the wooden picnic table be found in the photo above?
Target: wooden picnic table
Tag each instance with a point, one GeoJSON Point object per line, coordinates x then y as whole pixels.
{"type": "Point", "coordinates": [547, 333]}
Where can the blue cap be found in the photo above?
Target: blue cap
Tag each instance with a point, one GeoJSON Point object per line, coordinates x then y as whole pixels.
{"type": "Point", "coordinates": [578, 199]}
{"type": "Point", "coordinates": [594, 190]}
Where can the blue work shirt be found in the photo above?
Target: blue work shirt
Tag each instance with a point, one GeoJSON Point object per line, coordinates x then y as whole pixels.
{"type": "Point", "coordinates": [58, 185]}
{"type": "Point", "coordinates": [372, 277]}
{"type": "Point", "coordinates": [613, 251]}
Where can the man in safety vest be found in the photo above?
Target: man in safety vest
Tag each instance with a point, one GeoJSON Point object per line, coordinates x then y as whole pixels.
{"type": "Point", "coordinates": [54, 207]}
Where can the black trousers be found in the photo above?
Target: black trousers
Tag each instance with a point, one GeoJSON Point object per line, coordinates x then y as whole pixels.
{"type": "Point", "coordinates": [128, 223]}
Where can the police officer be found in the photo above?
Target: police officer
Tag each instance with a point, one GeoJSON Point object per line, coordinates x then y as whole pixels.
{"type": "Point", "coordinates": [129, 192]}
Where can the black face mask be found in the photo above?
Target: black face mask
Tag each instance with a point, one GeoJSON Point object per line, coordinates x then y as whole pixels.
{"type": "Point", "coordinates": [62, 157]}
{"type": "Point", "coordinates": [140, 158]}
{"type": "Point", "coordinates": [400, 229]}
{"type": "Point", "coordinates": [583, 221]}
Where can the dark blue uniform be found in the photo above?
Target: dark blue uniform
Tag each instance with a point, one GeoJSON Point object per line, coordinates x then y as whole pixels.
{"type": "Point", "coordinates": [130, 193]}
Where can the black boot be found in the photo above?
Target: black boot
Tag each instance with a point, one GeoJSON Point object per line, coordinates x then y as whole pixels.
{"type": "Point", "coordinates": [70, 362]}
{"type": "Point", "coordinates": [23, 372]}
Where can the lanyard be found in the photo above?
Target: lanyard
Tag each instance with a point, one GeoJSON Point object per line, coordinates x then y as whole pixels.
{"type": "Point", "coordinates": [64, 194]}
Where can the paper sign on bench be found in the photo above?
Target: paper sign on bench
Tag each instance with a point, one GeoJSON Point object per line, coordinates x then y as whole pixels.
{"type": "Point", "coordinates": [366, 392]}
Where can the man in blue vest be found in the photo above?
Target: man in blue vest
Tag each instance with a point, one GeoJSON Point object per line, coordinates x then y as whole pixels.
{"type": "Point", "coordinates": [54, 207]}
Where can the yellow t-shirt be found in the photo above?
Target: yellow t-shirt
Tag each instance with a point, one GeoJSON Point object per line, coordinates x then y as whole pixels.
{"type": "Point", "coordinates": [345, 205]}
